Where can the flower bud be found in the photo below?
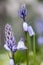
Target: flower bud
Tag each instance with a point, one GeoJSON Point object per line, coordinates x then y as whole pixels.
{"type": "Point", "coordinates": [25, 26]}
{"type": "Point", "coordinates": [11, 61]}
{"type": "Point", "coordinates": [30, 31]}
{"type": "Point", "coordinates": [22, 11]}
{"type": "Point", "coordinates": [21, 45]}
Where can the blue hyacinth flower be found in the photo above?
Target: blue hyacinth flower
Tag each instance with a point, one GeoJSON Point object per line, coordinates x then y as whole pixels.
{"type": "Point", "coordinates": [22, 11]}
{"type": "Point", "coordinates": [9, 39]}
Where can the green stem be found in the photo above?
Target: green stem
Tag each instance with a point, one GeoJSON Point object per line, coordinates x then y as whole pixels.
{"type": "Point", "coordinates": [29, 42]}
{"type": "Point", "coordinates": [27, 51]}
{"type": "Point", "coordinates": [27, 57]}
{"type": "Point", "coordinates": [13, 58]}
{"type": "Point", "coordinates": [26, 43]}
{"type": "Point", "coordinates": [34, 48]}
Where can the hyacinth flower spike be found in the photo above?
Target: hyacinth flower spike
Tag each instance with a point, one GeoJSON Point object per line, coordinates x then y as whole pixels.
{"type": "Point", "coordinates": [10, 44]}
{"type": "Point", "coordinates": [27, 29]}
{"type": "Point", "coordinates": [9, 38]}
{"type": "Point", "coordinates": [23, 14]}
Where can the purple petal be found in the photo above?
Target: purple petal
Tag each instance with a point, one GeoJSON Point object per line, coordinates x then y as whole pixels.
{"type": "Point", "coordinates": [22, 11]}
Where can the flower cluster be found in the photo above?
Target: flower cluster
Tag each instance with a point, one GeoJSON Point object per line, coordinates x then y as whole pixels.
{"type": "Point", "coordinates": [9, 39]}
{"type": "Point", "coordinates": [28, 28]}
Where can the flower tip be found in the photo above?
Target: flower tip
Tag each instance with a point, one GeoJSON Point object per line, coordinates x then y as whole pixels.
{"type": "Point", "coordinates": [8, 27]}
{"type": "Point", "coordinates": [22, 11]}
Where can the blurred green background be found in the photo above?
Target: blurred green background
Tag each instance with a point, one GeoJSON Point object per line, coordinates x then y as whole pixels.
{"type": "Point", "coordinates": [9, 14]}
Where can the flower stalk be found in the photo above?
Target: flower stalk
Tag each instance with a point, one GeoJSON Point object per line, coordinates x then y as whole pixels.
{"type": "Point", "coordinates": [34, 49]}
{"type": "Point", "coordinates": [26, 43]}
{"type": "Point", "coordinates": [13, 58]}
{"type": "Point", "coordinates": [23, 14]}
{"type": "Point", "coordinates": [27, 51]}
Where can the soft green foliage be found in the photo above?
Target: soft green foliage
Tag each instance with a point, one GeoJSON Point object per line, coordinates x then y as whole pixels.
{"type": "Point", "coordinates": [4, 59]}
{"type": "Point", "coordinates": [20, 56]}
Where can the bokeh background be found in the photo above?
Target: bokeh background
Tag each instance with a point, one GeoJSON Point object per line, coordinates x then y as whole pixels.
{"type": "Point", "coordinates": [9, 14]}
